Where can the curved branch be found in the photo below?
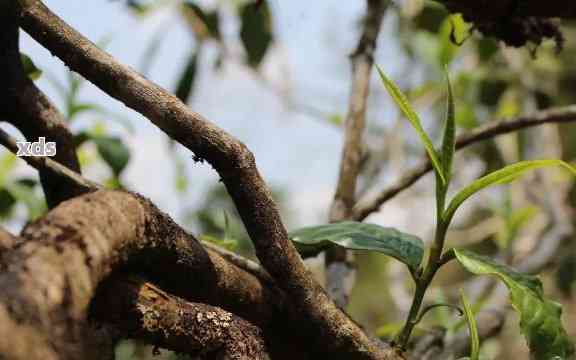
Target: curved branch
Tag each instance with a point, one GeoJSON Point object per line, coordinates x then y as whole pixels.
{"type": "Point", "coordinates": [488, 131]}
{"type": "Point", "coordinates": [29, 110]}
{"type": "Point", "coordinates": [318, 316]}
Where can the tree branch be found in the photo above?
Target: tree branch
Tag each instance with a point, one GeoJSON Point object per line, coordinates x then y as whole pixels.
{"type": "Point", "coordinates": [317, 314]}
{"type": "Point", "coordinates": [62, 258]}
{"type": "Point", "coordinates": [26, 107]}
{"type": "Point", "coordinates": [490, 9]}
{"type": "Point", "coordinates": [339, 262]}
{"type": "Point", "coordinates": [485, 132]}
{"type": "Point", "coordinates": [141, 310]}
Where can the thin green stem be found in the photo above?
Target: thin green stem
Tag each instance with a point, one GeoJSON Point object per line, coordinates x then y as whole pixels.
{"type": "Point", "coordinates": [422, 283]}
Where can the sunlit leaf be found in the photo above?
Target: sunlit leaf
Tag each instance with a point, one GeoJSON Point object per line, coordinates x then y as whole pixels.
{"type": "Point", "coordinates": [256, 31]}
{"type": "Point", "coordinates": [540, 319]}
{"type": "Point", "coordinates": [509, 105]}
{"type": "Point", "coordinates": [406, 248]}
{"type": "Point", "coordinates": [472, 327]}
{"type": "Point", "coordinates": [7, 164]}
{"type": "Point", "coordinates": [502, 176]}
{"type": "Point", "coordinates": [400, 100]}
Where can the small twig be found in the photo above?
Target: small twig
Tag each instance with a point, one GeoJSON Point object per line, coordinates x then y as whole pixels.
{"type": "Point", "coordinates": [488, 131]}
{"type": "Point", "coordinates": [240, 261]}
{"type": "Point", "coordinates": [426, 309]}
{"type": "Point", "coordinates": [45, 163]}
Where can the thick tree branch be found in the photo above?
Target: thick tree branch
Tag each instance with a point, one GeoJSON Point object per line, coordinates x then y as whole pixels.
{"type": "Point", "coordinates": [55, 269]}
{"type": "Point", "coordinates": [490, 9]}
{"type": "Point", "coordinates": [7, 241]}
{"type": "Point", "coordinates": [143, 311]}
{"type": "Point", "coordinates": [333, 331]}
{"type": "Point", "coordinates": [339, 262]}
{"type": "Point", "coordinates": [488, 131]}
{"type": "Point", "coordinates": [275, 330]}
{"type": "Point", "coordinates": [26, 107]}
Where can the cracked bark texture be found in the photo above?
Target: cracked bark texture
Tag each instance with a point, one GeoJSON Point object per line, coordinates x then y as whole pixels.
{"type": "Point", "coordinates": [24, 106]}
{"type": "Point", "coordinates": [53, 272]}
{"type": "Point", "coordinates": [144, 311]}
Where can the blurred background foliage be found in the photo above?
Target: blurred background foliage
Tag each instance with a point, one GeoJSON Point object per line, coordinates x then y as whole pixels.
{"type": "Point", "coordinates": [491, 82]}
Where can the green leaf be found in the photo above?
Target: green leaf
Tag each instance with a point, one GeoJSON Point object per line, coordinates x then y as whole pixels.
{"type": "Point", "coordinates": [449, 138]}
{"type": "Point", "coordinates": [25, 194]}
{"type": "Point", "coordinates": [502, 176]}
{"type": "Point", "coordinates": [186, 82]}
{"type": "Point", "coordinates": [411, 115]}
{"type": "Point", "coordinates": [472, 327]}
{"type": "Point", "coordinates": [540, 319]}
{"type": "Point", "coordinates": [7, 164]}
{"type": "Point", "coordinates": [406, 248]}
{"type": "Point", "coordinates": [30, 68]}
{"type": "Point", "coordinates": [256, 31]}
{"type": "Point", "coordinates": [113, 152]}
{"type": "Point", "coordinates": [7, 202]}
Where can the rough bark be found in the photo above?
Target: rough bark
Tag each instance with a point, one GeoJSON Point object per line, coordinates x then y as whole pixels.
{"type": "Point", "coordinates": [30, 111]}
{"type": "Point", "coordinates": [143, 311]}
{"type": "Point", "coordinates": [332, 330]}
{"type": "Point", "coordinates": [54, 272]}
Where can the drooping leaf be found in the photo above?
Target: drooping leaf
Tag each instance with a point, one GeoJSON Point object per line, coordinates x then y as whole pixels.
{"type": "Point", "coordinates": [114, 152]}
{"type": "Point", "coordinates": [406, 248]}
{"type": "Point", "coordinates": [30, 68]}
{"type": "Point", "coordinates": [502, 176]}
{"type": "Point", "coordinates": [402, 102]}
{"type": "Point", "coordinates": [186, 82]}
{"type": "Point", "coordinates": [449, 138]}
{"type": "Point", "coordinates": [472, 327]}
{"type": "Point", "coordinates": [540, 319]}
{"type": "Point", "coordinates": [256, 31]}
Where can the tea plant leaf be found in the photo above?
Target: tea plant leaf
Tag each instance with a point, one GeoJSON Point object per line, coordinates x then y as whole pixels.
{"type": "Point", "coordinates": [402, 102]}
{"type": "Point", "coordinates": [502, 176]}
{"type": "Point", "coordinates": [406, 248]}
{"type": "Point", "coordinates": [449, 138]}
{"type": "Point", "coordinates": [540, 319]}
{"type": "Point", "coordinates": [472, 327]}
